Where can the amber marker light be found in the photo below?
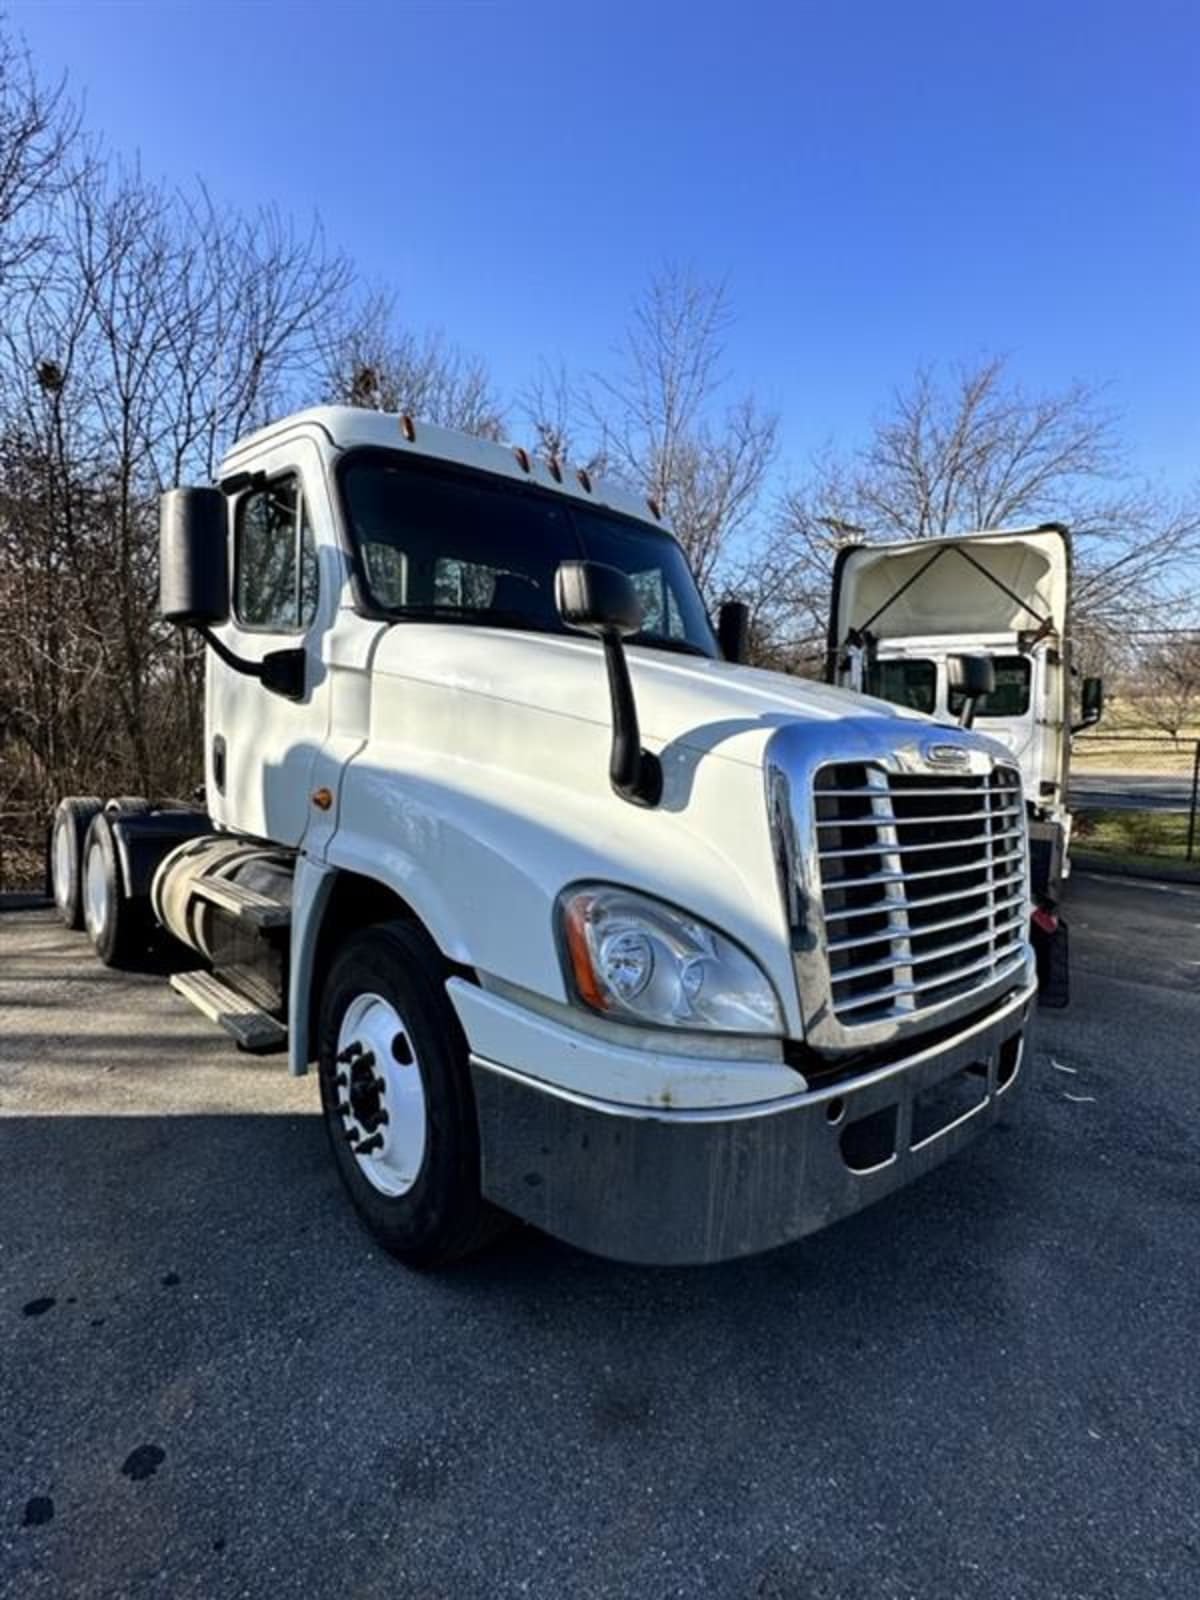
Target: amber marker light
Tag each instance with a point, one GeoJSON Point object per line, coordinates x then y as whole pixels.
{"type": "Point", "coordinates": [322, 799]}
{"type": "Point", "coordinates": [575, 929]}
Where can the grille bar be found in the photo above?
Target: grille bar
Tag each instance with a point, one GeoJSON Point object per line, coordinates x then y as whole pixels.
{"type": "Point", "coordinates": [835, 852]}
{"type": "Point", "coordinates": [911, 849]}
{"type": "Point", "coordinates": [843, 974]}
{"type": "Point", "coordinates": [904, 822]}
{"type": "Point", "coordinates": [881, 906]}
{"type": "Point", "coordinates": [898, 875]}
{"type": "Point", "coordinates": [895, 990]}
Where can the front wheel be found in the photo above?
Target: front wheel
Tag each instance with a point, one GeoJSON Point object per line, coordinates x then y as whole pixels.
{"type": "Point", "coordinates": [396, 1093]}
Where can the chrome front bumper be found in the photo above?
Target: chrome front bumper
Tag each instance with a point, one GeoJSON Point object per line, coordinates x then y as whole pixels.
{"type": "Point", "coordinates": [673, 1187]}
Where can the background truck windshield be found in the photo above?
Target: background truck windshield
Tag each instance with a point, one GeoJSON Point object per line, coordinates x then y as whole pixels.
{"type": "Point", "coordinates": [904, 683]}
{"type": "Point", "coordinates": [457, 546]}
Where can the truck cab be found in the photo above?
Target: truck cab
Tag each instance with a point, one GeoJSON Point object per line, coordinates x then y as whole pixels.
{"type": "Point", "coordinates": [902, 614]}
{"type": "Point", "coordinates": [580, 919]}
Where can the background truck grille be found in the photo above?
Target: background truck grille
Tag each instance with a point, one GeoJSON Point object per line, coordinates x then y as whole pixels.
{"type": "Point", "coordinates": [922, 883]}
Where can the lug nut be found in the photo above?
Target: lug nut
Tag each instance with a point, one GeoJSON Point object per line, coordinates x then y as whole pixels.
{"type": "Point", "coordinates": [366, 1059]}
{"type": "Point", "coordinates": [340, 1080]}
{"type": "Point", "coordinates": [343, 1107]}
{"type": "Point", "coordinates": [348, 1054]}
{"type": "Point", "coordinates": [368, 1146]}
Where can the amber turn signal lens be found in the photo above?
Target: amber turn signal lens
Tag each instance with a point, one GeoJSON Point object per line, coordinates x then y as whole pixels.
{"type": "Point", "coordinates": [322, 799]}
{"type": "Point", "coordinates": [581, 957]}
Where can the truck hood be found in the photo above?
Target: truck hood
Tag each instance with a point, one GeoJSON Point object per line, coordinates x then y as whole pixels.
{"type": "Point", "coordinates": [708, 705]}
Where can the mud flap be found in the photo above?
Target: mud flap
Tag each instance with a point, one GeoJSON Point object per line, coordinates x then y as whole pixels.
{"type": "Point", "coordinates": [1053, 951]}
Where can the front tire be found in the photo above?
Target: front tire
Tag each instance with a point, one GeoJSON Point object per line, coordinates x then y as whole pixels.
{"type": "Point", "coordinates": [396, 1094]}
{"type": "Point", "coordinates": [117, 924]}
{"type": "Point", "coordinates": [68, 830]}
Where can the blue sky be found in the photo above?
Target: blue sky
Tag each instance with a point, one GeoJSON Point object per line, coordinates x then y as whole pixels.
{"type": "Point", "coordinates": [879, 184]}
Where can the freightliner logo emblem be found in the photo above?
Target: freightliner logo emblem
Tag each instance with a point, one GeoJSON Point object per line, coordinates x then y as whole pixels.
{"type": "Point", "coordinates": [946, 755]}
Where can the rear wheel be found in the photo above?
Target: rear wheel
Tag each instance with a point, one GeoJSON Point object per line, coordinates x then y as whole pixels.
{"type": "Point", "coordinates": [117, 924]}
{"type": "Point", "coordinates": [67, 833]}
{"type": "Point", "coordinates": [396, 1093]}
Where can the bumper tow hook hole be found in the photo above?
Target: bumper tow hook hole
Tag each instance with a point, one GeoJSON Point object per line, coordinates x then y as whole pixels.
{"type": "Point", "coordinates": [835, 1111]}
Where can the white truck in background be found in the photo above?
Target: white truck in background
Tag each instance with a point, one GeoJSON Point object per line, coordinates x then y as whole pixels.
{"type": "Point", "coordinates": [904, 614]}
{"type": "Point", "coordinates": [580, 919]}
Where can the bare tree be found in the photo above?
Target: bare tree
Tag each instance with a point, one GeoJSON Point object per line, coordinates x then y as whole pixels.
{"type": "Point", "coordinates": [662, 423]}
{"type": "Point", "coordinates": [371, 361]}
{"type": "Point", "coordinates": [1167, 686]}
{"type": "Point", "coordinates": [977, 451]}
{"type": "Point", "coordinates": [38, 128]}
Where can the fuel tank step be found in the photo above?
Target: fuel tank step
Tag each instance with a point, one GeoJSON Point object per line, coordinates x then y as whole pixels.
{"type": "Point", "coordinates": [254, 1029]}
{"type": "Point", "coordinates": [248, 905]}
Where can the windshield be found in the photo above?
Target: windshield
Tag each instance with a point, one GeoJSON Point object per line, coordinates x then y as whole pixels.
{"type": "Point", "coordinates": [446, 545]}
{"type": "Point", "coordinates": [908, 683]}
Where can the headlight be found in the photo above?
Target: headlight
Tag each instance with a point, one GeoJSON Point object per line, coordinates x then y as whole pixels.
{"type": "Point", "coordinates": [637, 960]}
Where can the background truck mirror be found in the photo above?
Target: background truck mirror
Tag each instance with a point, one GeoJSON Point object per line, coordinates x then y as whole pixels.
{"type": "Point", "coordinates": [973, 677]}
{"type": "Point", "coordinates": [1091, 701]}
{"type": "Point", "coordinates": [733, 631]}
{"type": "Point", "coordinates": [193, 581]}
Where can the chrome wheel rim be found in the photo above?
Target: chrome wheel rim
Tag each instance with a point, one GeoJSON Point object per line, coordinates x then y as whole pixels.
{"type": "Point", "coordinates": [380, 1094]}
{"type": "Point", "coordinates": [95, 890]}
{"type": "Point", "coordinates": [64, 847]}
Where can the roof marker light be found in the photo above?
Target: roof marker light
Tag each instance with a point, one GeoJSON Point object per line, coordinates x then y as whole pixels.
{"type": "Point", "coordinates": [655, 509]}
{"type": "Point", "coordinates": [522, 456]}
{"type": "Point", "coordinates": [585, 481]}
{"type": "Point", "coordinates": [555, 469]}
{"type": "Point", "coordinates": [408, 427]}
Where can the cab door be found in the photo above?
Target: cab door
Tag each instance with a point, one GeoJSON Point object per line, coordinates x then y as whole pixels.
{"type": "Point", "coordinates": [261, 745]}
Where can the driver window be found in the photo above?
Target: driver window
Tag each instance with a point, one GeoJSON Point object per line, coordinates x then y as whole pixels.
{"type": "Point", "coordinates": [275, 559]}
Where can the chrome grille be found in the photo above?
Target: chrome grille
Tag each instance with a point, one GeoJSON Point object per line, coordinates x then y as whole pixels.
{"type": "Point", "coordinates": [922, 882]}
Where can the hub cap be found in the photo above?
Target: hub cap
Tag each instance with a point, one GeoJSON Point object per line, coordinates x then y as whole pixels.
{"type": "Point", "coordinates": [95, 891]}
{"type": "Point", "coordinates": [380, 1094]}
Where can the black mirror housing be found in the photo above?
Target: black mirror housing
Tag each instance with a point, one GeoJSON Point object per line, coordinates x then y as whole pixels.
{"type": "Point", "coordinates": [971, 676]}
{"type": "Point", "coordinates": [597, 599]}
{"type": "Point", "coordinates": [1091, 700]}
{"type": "Point", "coordinates": [193, 578]}
{"type": "Point", "coordinates": [733, 631]}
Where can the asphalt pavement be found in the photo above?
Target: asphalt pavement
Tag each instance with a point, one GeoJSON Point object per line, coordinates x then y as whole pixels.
{"type": "Point", "coordinates": [212, 1384]}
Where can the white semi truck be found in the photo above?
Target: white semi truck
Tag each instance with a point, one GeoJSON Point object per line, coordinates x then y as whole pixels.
{"type": "Point", "coordinates": [579, 919]}
{"type": "Point", "coordinates": [904, 614]}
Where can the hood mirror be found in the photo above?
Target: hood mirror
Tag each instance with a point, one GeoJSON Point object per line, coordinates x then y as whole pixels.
{"type": "Point", "coordinates": [602, 600]}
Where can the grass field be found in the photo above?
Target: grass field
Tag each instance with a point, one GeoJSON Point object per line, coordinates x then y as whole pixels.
{"type": "Point", "coordinates": [1134, 838]}
{"type": "Point", "coordinates": [1126, 741]}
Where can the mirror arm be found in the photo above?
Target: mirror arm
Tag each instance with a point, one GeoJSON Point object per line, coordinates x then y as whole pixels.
{"type": "Point", "coordinates": [635, 774]}
{"type": "Point", "coordinates": [281, 671]}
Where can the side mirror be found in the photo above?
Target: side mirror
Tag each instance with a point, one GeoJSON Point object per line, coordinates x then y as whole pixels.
{"type": "Point", "coordinates": [597, 599]}
{"type": "Point", "coordinates": [601, 600]}
{"type": "Point", "coordinates": [193, 553]}
{"type": "Point", "coordinates": [193, 584]}
{"type": "Point", "coordinates": [972, 677]}
{"type": "Point", "coordinates": [1091, 701]}
{"type": "Point", "coordinates": [733, 631]}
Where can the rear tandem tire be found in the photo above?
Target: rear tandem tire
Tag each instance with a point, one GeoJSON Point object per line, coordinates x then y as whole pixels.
{"type": "Point", "coordinates": [419, 1193]}
{"type": "Point", "coordinates": [117, 924]}
{"type": "Point", "coordinates": [68, 829]}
